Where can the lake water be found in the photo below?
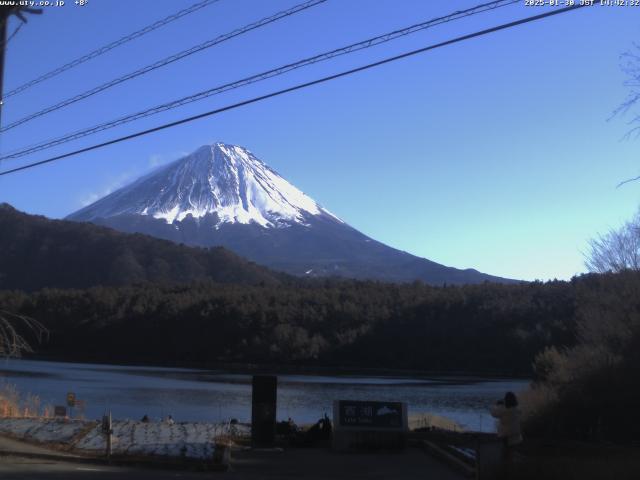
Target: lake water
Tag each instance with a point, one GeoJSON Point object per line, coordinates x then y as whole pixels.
{"type": "Point", "coordinates": [206, 395]}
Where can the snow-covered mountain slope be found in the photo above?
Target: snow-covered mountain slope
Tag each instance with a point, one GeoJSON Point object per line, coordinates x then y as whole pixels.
{"type": "Point", "coordinates": [223, 195]}
{"type": "Point", "coordinates": [220, 179]}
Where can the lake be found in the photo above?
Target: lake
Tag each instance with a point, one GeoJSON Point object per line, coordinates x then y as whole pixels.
{"type": "Point", "coordinates": [213, 395]}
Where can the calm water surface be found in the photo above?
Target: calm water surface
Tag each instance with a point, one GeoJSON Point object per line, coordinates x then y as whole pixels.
{"type": "Point", "coordinates": [206, 395]}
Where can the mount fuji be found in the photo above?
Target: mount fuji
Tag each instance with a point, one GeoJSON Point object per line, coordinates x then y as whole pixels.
{"type": "Point", "coordinates": [222, 195]}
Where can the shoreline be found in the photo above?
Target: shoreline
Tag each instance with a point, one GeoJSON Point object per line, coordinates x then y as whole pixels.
{"type": "Point", "coordinates": [287, 369]}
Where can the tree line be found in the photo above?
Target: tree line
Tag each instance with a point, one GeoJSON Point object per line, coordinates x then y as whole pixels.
{"type": "Point", "coordinates": [488, 328]}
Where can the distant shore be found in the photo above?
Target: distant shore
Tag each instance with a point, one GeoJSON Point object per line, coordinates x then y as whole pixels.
{"type": "Point", "coordinates": [286, 369]}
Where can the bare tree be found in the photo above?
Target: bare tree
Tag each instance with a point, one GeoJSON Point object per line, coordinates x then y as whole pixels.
{"type": "Point", "coordinates": [630, 65]}
{"type": "Point", "coordinates": [12, 342]}
{"type": "Point", "coordinates": [617, 250]}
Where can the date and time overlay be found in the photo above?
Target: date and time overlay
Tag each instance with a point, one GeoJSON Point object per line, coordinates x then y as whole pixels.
{"type": "Point", "coordinates": [526, 3]}
{"type": "Point", "coordinates": [572, 3]}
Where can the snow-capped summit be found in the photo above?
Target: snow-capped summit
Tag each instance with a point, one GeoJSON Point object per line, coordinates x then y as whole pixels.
{"type": "Point", "coordinates": [222, 195]}
{"type": "Point", "coordinates": [221, 179]}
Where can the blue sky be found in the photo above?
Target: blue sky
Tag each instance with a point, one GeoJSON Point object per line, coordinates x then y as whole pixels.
{"type": "Point", "coordinates": [495, 154]}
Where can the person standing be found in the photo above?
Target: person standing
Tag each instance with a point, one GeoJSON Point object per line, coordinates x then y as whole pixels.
{"type": "Point", "coordinates": [509, 431]}
{"type": "Point", "coordinates": [508, 415]}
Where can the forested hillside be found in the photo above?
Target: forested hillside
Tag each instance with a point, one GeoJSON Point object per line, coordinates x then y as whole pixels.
{"type": "Point", "coordinates": [130, 298]}
{"type": "Point", "coordinates": [36, 252]}
{"type": "Point", "coordinates": [476, 328]}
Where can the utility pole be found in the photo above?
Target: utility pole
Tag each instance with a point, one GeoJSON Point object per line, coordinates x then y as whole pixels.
{"type": "Point", "coordinates": [4, 21]}
{"type": "Point", "coordinates": [107, 429]}
{"type": "Point", "coordinates": [5, 13]}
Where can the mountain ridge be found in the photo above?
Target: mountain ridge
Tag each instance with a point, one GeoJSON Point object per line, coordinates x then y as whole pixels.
{"type": "Point", "coordinates": [223, 179]}
{"type": "Point", "coordinates": [37, 252]}
{"type": "Point", "coordinates": [223, 195]}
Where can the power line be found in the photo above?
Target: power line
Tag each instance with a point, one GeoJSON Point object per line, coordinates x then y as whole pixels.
{"type": "Point", "coordinates": [300, 86]}
{"type": "Point", "coordinates": [166, 61]}
{"type": "Point", "coordinates": [371, 42]}
{"type": "Point", "coordinates": [13, 34]}
{"type": "Point", "coordinates": [104, 49]}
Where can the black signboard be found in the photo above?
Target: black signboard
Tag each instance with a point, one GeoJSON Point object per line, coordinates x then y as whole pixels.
{"type": "Point", "coordinates": [355, 413]}
{"type": "Point", "coordinates": [60, 411]}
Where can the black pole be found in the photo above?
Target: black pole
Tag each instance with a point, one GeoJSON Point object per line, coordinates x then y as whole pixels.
{"type": "Point", "coordinates": [5, 13]}
{"type": "Point", "coordinates": [4, 20]}
{"type": "Point", "coordinates": [264, 393]}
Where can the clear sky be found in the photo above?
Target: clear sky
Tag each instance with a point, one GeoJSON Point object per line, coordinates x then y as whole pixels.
{"type": "Point", "coordinates": [495, 154]}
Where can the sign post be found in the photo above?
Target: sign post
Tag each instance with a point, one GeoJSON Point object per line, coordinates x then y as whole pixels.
{"type": "Point", "coordinates": [369, 425]}
{"type": "Point", "coordinates": [107, 429]}
{"type": "Point", "coordinates": [71, 402]}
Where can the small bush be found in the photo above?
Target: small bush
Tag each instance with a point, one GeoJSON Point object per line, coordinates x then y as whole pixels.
{"type": "Point", "coordinates": [12, 404]}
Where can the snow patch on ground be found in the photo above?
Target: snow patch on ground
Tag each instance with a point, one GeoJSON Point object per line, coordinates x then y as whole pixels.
{"type": "Point", "coordinates": [181, 440]}
{"type": "Point", "coordinates": [42, 430]}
